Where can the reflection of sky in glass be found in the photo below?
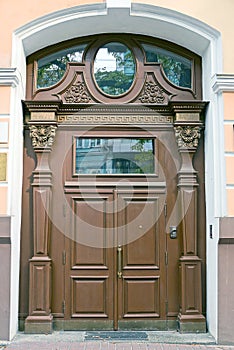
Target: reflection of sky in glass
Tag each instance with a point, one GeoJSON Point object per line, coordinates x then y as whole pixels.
{"type": "Point", "coordinates": [106, 60]}
{"type": "Point", "coordinates": [74, 54]}
{"type": "Point", "coordinates": [115, 144]}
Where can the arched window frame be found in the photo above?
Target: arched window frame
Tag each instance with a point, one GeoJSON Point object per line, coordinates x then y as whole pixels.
{"type": "Point", "coordinates": [134, 42]}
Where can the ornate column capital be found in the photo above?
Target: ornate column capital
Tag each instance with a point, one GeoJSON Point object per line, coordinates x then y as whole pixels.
{"type": "Point", "coordinates": [187, 136]}
{"type": "Point", "coordinates": [42, 135]}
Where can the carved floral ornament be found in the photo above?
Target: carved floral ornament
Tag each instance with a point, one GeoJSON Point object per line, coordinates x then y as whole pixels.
{"type": "Point", "coordinates": [187, 136]}
{"type": "Point", "coordinates": [42, 135]}
{"type": "Point", "coordinates": [152, 93]}
{"type": "Point", "coordinates": [77, 93]}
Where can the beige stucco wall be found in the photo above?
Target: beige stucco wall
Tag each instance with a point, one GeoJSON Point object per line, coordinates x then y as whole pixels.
{"type": "Point", "coordinates": [5, 96]}
{"type": "Point", "coordinates": [218, 14]}
{"type": "Point", "coordinates": [228, 98]}
{"type": "Point", "coordinates": [15, 14]}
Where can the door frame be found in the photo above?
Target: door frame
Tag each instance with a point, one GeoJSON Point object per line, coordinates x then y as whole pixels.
{"type": "Point", "coordinates": [186, 118]}
{"type": "Point", "coordinates": [103, 189]}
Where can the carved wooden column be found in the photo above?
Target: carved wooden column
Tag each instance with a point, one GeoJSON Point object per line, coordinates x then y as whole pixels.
{"type": "Point", "coordinates": [188, 126]}
{"type": "Point", "coordinates": [40, 319]}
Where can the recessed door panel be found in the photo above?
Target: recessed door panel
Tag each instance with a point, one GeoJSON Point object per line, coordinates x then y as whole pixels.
{"type": "Point", "coordinates": [141, 297]}
{"type": "Point", "coordinates": [90, 228]}
{"type": "Point", "coordinates": [140, 215]}
{"type": "Point", "coordinates": [89, 297]}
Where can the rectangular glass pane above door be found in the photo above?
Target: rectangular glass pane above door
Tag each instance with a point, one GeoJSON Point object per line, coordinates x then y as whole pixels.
{"type": "Point", "coordinates": [114, 156]}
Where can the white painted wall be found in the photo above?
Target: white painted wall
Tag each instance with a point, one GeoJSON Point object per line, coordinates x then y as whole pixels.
{"type": "Point", "coordinates": [146, 20]}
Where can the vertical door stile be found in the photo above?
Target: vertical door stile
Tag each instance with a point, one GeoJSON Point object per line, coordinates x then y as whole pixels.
{"type": "Point", "coordinates": [115, 244]}
{"type": "Point", "coordinates": [68, 227]}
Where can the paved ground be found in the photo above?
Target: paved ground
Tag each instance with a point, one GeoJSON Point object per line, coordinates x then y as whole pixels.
{"type": "Point", "coordinates": [114, 341]}
{"type": "Point", "coordinates": [111, 346]}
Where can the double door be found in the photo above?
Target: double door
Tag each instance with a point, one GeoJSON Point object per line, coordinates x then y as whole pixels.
{"type": "Point", "coordinates": [114, 263]}
{"type": "Point", "coordinates": [115, 272]}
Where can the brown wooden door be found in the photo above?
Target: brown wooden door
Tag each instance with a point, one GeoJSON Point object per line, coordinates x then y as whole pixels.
{"type": "Point", "coordinates": [90, 262]}
{"type": "Point", "coordinates": [141, 266]}
{"type": "Point", "coordinates": [115, 271]}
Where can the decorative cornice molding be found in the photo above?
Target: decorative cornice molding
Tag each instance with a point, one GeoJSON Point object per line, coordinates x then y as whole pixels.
{"type": "Point", "coordinates": [116, 119]}
{"type": "Point", "coordinates": [222, 83]}
{"type": "Point", "coordinates": [9, 77]}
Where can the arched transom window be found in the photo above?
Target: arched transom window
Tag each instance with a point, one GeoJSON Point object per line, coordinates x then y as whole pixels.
{"type": "Point", "coordinates": [113, 63]}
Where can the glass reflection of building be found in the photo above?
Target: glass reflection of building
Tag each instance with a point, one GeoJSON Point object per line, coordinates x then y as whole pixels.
{"type": "Point", "coordinates": [114, 156]}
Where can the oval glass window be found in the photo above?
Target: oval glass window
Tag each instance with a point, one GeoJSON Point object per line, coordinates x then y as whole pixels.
{"type": "Point", "coordinates": [114, 68]}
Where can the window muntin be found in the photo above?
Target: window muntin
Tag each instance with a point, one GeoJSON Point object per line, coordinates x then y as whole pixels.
{"type": "Point", "coordinates": [177, 68]}
{"type": "Point", "coordinates": [114, 68]}
{"type": "Point", "coordinates": [51, 68]}
{"type": "Point", "coordinates": [114, 156]}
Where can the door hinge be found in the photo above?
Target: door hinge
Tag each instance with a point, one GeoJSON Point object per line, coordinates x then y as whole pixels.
{"type": "Point", "coordinates": [64, 210]}
{"type": "Point", "coordinates": [63, 306]}
{"type": "Point", "coordinates": [166, 258]}
{"type": "Point", "coordinates": [165, 209]}
{"type": "Point", "coordinates": [64, 257]}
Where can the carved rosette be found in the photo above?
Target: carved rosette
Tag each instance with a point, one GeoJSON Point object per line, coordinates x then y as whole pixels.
{"type": "Point", "coordinates": [152, 93]}
{"type": "Point", "coordinates": [42, 135]}
{"type": "Point", "coordinates": [77, 93]}
{"type": "Point", "coordinates": [187, 136]}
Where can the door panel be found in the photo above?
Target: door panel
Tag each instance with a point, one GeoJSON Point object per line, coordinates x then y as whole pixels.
{"type": "Point", "coordinates": [141, 288]}
{"type": "Point", "coordinates": [88, 296]}
{"type": "Point", "coordinates": [135, 302]}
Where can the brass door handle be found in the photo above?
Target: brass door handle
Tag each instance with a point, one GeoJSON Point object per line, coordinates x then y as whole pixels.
{"type": "Point", "coordinates": [119, 257]}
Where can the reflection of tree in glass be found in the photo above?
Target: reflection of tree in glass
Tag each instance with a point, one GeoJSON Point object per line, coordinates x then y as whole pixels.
{"type": "Point", "coordinates": [175, 71]}
{"type": "Point", "coordinates": [144, 158]}
{"type": "Point", "coordinates": [49, 74]}
{"type": "Point", "coordinates": [120, 80]}
{"type": "Point", "coordinates": [113, 83]}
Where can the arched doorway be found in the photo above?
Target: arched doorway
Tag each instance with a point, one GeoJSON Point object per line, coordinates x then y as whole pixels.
{"type": "Point", "coordinates": [117, 210]}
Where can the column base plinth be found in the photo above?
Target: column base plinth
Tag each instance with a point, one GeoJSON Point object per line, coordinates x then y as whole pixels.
{"type": "Point", "coordinates": [38, 325]}
{"type": "Point", "coordinates": [192, 324]}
